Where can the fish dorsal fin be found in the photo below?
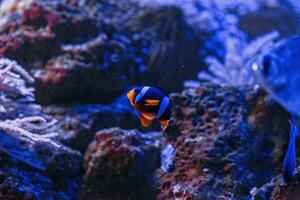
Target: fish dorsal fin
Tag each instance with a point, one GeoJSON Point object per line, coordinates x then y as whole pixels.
{"type": "Point", "coordinates": [152, 102]}
{"type": "Point", "coordinates": [149, 116]}
{"type": "Point", "coordinates": [162, 90]}
{"type": "Point", "coordinates": [144, 121]}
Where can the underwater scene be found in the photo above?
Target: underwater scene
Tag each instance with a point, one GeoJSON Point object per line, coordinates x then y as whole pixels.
{"type": "Point", "coordinates": [149, 99]}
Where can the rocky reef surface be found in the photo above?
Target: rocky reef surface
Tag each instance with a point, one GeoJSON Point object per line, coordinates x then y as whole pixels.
{"type": "Point", "coordinates": [80, 46]}
{"type": "Point", "coordinates": [34, 164]}
{"type": "Point", "coordinates": [120, 164]}
{"type": "Point", "coordinates": [227, 141]}
{"type": "Point", "coordinates": [67, 130]}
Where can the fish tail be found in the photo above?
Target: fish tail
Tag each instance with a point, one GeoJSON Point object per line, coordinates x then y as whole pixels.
{"type": "Point", "coordinates": [289, 163]}
{"type": "Point", "coordinates": [164, 123]}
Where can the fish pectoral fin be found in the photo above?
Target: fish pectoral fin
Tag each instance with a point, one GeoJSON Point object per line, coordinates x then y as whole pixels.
{"type": "Point", "coordinates": [164, 123]}
{"type": "Point", "coordinates": [149, 116]}
{"type": "Point", "coordinates": [152, 102]}
{"type": "Point", "coordinates": [289, 163]}
{"type": "Point", "coordinates": [144, 121]}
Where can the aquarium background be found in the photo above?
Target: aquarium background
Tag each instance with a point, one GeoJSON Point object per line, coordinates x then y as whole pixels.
{"type": "Point", "coordinates": [68, 131]}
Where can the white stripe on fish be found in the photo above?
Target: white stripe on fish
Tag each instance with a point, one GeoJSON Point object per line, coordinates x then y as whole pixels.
{"type": "Point", "coordinates": [141, 94]}
{"type": "Point", "coordinates": [163, 106]}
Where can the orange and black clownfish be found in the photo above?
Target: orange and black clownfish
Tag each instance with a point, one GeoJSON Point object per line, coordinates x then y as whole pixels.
{"type": "Point", "coordinates": [152, 103]}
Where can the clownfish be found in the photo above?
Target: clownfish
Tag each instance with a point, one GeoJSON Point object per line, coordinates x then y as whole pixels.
{"type": "Point", "coordinates": [152, 103]}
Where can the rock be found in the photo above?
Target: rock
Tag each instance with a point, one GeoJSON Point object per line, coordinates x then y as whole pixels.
{"type": "Point", "coordinates": [119, 164]}
{"type": "Point", "coordinates": [222, 136]}
{"type": "Point", "coordinates": [222, 142]}
{"type": "Point", "coordinates": [83, 56]}
{"type": "Point", "coordinates": [38, 171]}
{"type": "Point", "coordinates": [33, 164]}
{"type": "Point", "coordinates": [268, 20]}
{"type": "Point", "coordinates": [68, 41]}
{"type": "Point", "coordinates": [77, 125]}
{"type": "Point", "coordinates": [173, 46]}
{"type": "Point", "coordinates": [167, 158]}
{"type": "Point", "coordinates": [276, 189]}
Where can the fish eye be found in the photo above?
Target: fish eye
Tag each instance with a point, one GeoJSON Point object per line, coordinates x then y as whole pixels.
{"type": "Point", "coordinates": [137, 90]}
{"type": "Point", "coordinates": [267, 63]}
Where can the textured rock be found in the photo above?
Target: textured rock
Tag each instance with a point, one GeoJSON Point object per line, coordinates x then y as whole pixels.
{"type": "Point", "coordinates": [57, 62]}
{"type": "Point", "coordinates": [173, 47]}
{"type": "Point", "coordinates": [223, 143]}
{"type": "Point", "coordinates": [77, 125]}
{"type": "Point", "coordinates": [38, 171]}
{"type": "Point", "coordinates": [33, 165]}
{"type": "Point", "coordinates": [227, 141]}
{"type": "Point", "coordinates": [276, 189]}
{"type": "Point", "coordinates": [84, 57]}
{"type": "Point", "coordinates": [119, 164]}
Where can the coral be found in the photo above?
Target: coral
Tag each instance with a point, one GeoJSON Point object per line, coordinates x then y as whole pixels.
{"type": "Point", "coordinates": [222, 136]}
{"type": "Point", "coordinates": [77, 125]}
{"type": "Point", "coordinates": [119, 164]}
{"type": "Point", "coordinates": [218, 19]}
{"type": "Point", "coordinates": [16, 95]}
{"type": "Point", "coordinates": [28, 149]}
{"type": "Point", "coordinates": [232, 68]}
{"type": "Point", "coordinates": [269, 21]}
{"type": "Point", "coordinates": [30, 129]}
{"type": "Point", "coordinates": [17, 99]}
{"type": "Point", "coordinates": [234, 71]}
{"type": "Point", "coordinates": [226, 139]}
{"type": "Point", "coordinates": [226, 24]}
{"type": "Point", "coordinates": [38, 171]}
{"type": "Point", "coordinates": [191, 8]}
